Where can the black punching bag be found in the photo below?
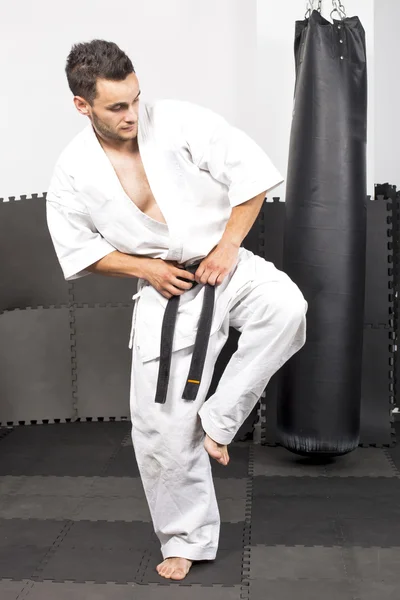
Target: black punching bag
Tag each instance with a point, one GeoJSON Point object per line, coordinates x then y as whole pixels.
{"type": "Point", "coordinates": [324, 252]}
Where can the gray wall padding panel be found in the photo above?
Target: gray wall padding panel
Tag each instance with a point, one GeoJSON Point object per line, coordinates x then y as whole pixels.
{"type": "Point", "coordinates": [269, 412]}
{"type": "Point", "coordinates": [395, 292]}
{"type": "Point", "coordinates": [37, 378]}
{"type": "Point", "coordinates": [375, 391]}
{"type": "Point", "coordinates": [35, 371]}
{"type": "Point", "coordinates": [103, 361]}
{"type": "Point", "coordinates": [272, 228]}
{"type": "Point", "coordinates": [30, 272]}
{"type": "Point", "coordinates": [102, 289]}
{"type": "Point", "coordinates": [377, 263]}
{"type": "Point", "coordinates": [266, 236]}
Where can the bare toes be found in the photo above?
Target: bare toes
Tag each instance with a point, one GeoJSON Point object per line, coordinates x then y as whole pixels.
{"type": "Point", "coordinates": [162, 570]}
{"type": "Point", "coordinates": [178, 574]}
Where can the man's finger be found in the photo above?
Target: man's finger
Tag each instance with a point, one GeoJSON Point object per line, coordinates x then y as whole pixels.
{"type": "Point", "coordinates": [213, 278]}
{"type": "Point", "coordinates": [199, 274]}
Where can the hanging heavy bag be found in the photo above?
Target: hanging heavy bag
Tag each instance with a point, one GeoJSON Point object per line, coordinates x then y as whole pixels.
{"type": "Point", "coordinates": [325, 235]}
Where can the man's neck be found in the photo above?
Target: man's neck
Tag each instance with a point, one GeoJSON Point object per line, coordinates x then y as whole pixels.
{"type": "Point", "coordinates": [130, 148]}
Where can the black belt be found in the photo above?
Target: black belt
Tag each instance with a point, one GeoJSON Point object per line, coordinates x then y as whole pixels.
{"type": "Point", "coordinates": [200, 346]}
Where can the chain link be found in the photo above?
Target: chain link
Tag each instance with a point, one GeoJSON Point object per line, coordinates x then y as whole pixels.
{"type": "Point", "coordinates": [310, 8]}
{"type": "Point", "coordinates": [339, 9]}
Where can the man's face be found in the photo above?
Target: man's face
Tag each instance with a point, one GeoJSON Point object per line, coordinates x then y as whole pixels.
{"type": "Point", "coordinates": [115, 109]}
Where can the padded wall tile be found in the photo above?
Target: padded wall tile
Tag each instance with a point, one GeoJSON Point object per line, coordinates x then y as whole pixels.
{"type": "Point", "coordinates": [102, 289]}
{"type": "Point", "coordinates": [269, 434]}
{"type": "Point", "coordinates": [58, 435]}
{"type": "Point", "coordinates": [375, 407]}
{"type": "Point", "coordinates": [103, 361]}
{"type": "Point", "coordinates": [377, 266]}
{"type": "Point", "coordinates": [35, 371]}
{"type": "Point", "coordinates": [265, 238]}
{"type": "Point", "coordinates": [31, 274]}
{"type": "Point", "coordinates": [273, 227]}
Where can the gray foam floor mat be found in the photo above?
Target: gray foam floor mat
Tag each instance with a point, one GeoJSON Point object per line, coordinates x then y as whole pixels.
{"type": "Point", "coordinates": [74, 522]}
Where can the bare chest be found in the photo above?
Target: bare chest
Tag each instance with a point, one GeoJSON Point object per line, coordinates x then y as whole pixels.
{"type": "Point", "coordinates": [132, 176]}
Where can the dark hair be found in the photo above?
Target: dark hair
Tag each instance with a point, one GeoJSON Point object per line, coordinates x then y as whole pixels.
{"type": "Point", "coordinates": [98, 58]}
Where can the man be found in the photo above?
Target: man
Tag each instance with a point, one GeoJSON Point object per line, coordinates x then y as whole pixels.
{"type": "Point", "coordinates": [166, 192]}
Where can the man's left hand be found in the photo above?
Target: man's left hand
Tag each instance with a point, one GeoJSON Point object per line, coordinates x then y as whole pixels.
{"type": "Point", "coordinates": [217, 264]}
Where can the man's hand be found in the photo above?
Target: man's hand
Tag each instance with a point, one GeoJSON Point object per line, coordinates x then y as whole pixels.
{"type": "Point", "coordinates": [217, 264]}
{"type": "Point", "coordinates": [165, 276]}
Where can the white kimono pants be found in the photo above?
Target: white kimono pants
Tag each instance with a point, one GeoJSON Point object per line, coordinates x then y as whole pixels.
{"type": "Point", "coordinates": [169, 438]}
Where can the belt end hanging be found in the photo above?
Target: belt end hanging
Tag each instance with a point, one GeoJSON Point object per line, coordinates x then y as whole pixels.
{"type": "Point", "coordinates": [160, 398]}
{"type": "Point", "coordinates": [191, 389]}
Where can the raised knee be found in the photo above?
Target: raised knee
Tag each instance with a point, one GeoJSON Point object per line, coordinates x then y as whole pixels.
{"type": "Point", "coordinates": [300, 304]}
{"type": "Point", "coordinates": [295, 305]}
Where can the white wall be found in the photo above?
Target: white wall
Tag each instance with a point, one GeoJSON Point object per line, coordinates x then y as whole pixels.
{"type": "Point", "coordinates": [276, 75]}
{"type": "Point", "coordinates": [387, 95]}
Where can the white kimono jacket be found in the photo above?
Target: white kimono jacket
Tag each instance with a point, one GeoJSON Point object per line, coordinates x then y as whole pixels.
{"type": "Point", "coordinates": [198, 167]}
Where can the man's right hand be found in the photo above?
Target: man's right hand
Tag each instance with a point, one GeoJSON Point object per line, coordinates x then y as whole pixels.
{"type": "Point", "coordinates": [163, 276]}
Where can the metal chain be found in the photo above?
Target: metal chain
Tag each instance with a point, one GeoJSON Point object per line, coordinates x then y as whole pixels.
{"type": "Point", "coordinates": [337, 7]}
{"type": "Point", "coordinates": [310, 8]}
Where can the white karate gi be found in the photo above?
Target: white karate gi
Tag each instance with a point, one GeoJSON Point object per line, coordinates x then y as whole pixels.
{"type": "Point", "coordinates": [199, 167]}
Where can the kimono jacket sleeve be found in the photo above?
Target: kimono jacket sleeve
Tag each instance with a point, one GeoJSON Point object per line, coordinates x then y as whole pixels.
{"type": "Point", "coordinates": [228, 153]}
{"type": "Point", "coordinates": [76, 241]}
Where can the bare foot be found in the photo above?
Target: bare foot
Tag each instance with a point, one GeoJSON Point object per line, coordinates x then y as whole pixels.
{"type": "Point", "coordinates": [174, 568]}
{"type": "Point", "coordinates": [217, 451]}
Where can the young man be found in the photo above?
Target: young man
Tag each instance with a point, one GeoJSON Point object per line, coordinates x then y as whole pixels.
{"type": "Point", "coordinates": [166, 192]}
